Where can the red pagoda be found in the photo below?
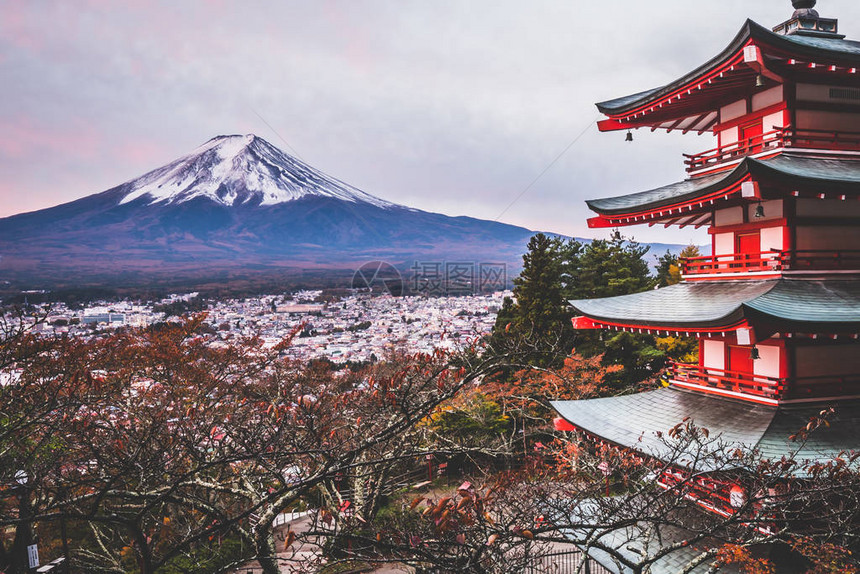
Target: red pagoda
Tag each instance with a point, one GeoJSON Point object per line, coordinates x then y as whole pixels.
{"type": "Point", "coordinates": [776, 305]}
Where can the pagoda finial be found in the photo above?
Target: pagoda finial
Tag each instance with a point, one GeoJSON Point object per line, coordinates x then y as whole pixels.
{"type": "Point", "coordinates": [804, 9]}
{"type": "Point", "coordinates": [806, 22]}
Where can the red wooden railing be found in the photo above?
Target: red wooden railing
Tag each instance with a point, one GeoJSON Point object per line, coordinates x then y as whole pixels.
{"type": "Point", "coordinates": [822, 139]}
{"type": "Point", "coordinates": [823, 386]}
{"type": "Point", "coordinates": [780, 389]}
{"type": "Point", "coordinates": [820, 259]}
{"type": "Point", "coordinates": [734, 263]}
{"type": "Point", "coordinates": [711, 493]}
{"type": "Point", "coordinates": [712, 157]}
{"type": "Point", "coordinates": [795, 260]}
{"type": "Point", "coordinates": [772, 140]}
{"type": "Point", "coordinates": [744, 383]}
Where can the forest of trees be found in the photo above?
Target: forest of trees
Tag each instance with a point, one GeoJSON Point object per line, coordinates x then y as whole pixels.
{"type": "Point", "coordinates": [154, 451]}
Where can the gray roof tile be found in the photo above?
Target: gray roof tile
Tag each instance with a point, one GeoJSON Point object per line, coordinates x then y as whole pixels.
{"type": "Point", "coordinates": [786, 303]}
{"type": "Point", "coordinates": [735, 423]}
{"type": "Point", "coordinates": [788, 166]}
{"type": "Point", "coordinates": [836, 50]}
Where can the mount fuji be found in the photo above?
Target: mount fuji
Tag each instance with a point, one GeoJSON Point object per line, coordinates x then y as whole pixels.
{"type": "Point", "coordinates": [237, 206]}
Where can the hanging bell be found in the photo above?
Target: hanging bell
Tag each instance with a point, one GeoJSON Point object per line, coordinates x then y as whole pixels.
{"type": "Point", "coordinates": [759, 211]}
{"type": "Point", "coordinates": [759, 81]}
{"type": "Point", "coordinates": [629, 137]}
{"type": "Point", "coordinates": [754, 354]}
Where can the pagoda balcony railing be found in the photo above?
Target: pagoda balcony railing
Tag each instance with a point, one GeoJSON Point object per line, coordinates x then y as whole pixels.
{"type": "Point", "coordinates": [732, 263]}
{"type": "Point", "coordinates": [823, 387]}
{"type": "Point", "coordinates": [820, 260]}
{"type": "Point", "coordinates": [731, 381]}
{"type": "Point", "coordinates": [772, 261]}
{"type": "Point", "coordinates": [772, 388]}
{"type": "Point", "coordinates": [822, 139]}
{"type": "Point", "coordinates": [773, 140]}
{"type": "Point", "coordinates": [713, 157]}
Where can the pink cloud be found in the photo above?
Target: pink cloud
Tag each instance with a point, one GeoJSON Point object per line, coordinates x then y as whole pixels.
{"type": "Point", "coordinates": [139, 152]}
{"type": "Point", "coordinates": [27, 139]}
{"type": "Point", "coordinates": [17, 26]}
{"type": "Point", "coordinates": [356, 44]}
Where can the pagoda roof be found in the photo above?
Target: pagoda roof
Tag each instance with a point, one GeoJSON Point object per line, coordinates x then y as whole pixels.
{"type": "Point", "coordinates": [794, 305]}
{"type": "Point", "coordinates": [693, 198]}
{"type": "Point", "coordinates": [633, 539]}
{"type": "Point", "coordinates": [634, 421]}
{"type": "Point", "coordinates": [696, 93]}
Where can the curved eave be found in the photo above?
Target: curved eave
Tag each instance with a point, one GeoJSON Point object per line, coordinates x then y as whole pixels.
{"type": "Point", "coordinates": [808, 173]}
{"type": "Point", "coordinates": [714, 307]}
{"type": "Point", "coordinates": [804, 306]}
{"type": "Point", "coordinates": [636, 102]}
{"type": "Point", "coordinates": [690, 202]}
{"type": "Point", "coordinates": [634, 421]}
{"type": "Point", "coordinates": [637, 421]}
{"type": "Point", "coordinates": [689, 102]}
{"type": "Point", "coordinates": [722, 307]}
{"type": "Point", "coordinates": [671, 203]}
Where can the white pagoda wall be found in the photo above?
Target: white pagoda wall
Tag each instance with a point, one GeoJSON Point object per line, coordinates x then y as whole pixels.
{"type": "Point", "coordinates": [713, 354]}
{"type": "Point", "coordinates": [767, 365]}
{"type": "Point", "coordinates": [772, 238]}
{"type": "Point", "coordinates": [767, 98]}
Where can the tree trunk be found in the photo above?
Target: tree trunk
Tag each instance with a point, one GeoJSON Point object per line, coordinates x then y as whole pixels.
{"type": "Point", "coordinates": [266, 556]}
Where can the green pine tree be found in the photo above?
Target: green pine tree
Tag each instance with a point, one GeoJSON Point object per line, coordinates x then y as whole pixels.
{"type": "Point", "coordinates": [536, 328]}
{"type": "Point", "coordinates": [610, 267]}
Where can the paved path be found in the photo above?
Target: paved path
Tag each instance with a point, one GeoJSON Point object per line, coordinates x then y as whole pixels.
{"type": "Point", "coordinates": [302, 557]}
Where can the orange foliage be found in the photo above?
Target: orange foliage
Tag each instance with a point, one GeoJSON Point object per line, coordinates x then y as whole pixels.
{"type": "Point", "coordinates": [578, 378]}
{"type": "Point", "coordinates": [826, 558]}
{"type": "Point", "coordinates": [741, 555]}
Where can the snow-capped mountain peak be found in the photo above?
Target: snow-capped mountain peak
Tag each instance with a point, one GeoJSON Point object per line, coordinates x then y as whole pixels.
{"type": "Point", "coordinates": [241, 170]}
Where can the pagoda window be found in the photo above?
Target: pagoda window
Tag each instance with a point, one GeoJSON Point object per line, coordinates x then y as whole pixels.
{"type": "Point", "coordinates": [827, 94]}
{"type": "Point", "coordinates": [828, 116]}
{"type": "Point", "coordinates": [830, 238]}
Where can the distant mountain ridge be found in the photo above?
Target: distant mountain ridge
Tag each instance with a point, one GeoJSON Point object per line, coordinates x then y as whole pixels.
{"type": "Point", "coordinates": [236, 206]}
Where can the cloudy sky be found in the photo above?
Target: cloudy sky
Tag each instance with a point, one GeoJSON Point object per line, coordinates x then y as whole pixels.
{"type": "Point", "coordinates": [455, 106]}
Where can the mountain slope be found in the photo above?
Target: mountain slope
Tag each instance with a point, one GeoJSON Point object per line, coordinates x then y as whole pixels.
{"type": "Point", "coordinates": [238, 205]}
{"type": "Point", "coordinates": [240, 170]}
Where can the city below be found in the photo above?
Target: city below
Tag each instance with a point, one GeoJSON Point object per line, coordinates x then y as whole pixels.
{"type": "Point", "coordinates": [359, 327]}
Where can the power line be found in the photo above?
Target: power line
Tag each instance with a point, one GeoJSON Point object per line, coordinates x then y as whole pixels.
{"type": "Point", "coordinates": [292, 149]}
{"type": "Point", "coordinates": [552, 163]}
